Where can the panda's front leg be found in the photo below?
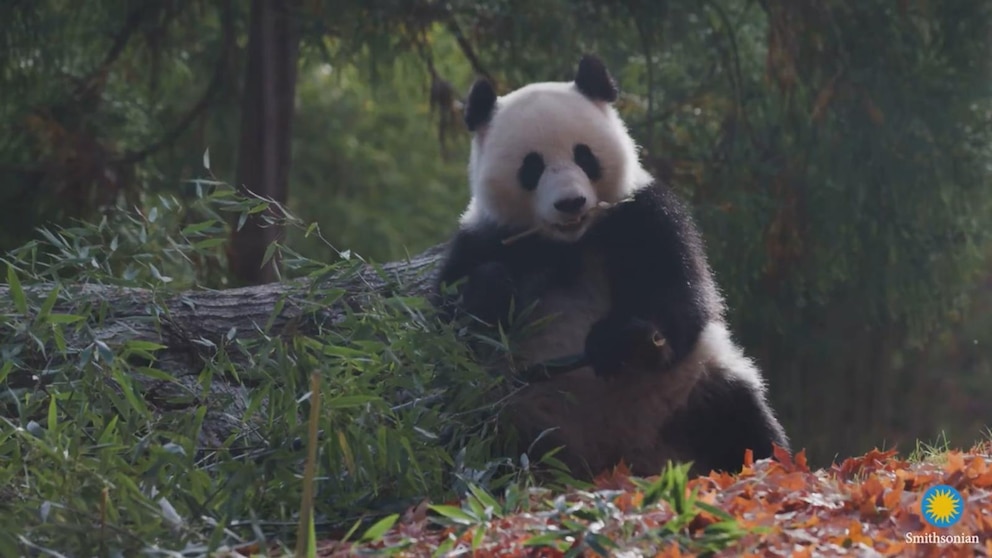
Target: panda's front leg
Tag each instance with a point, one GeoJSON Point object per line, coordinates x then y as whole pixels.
{"type": "Point", "coordinates": [662, 291]}
{"type": "Point", "coordinates": [618, 343]}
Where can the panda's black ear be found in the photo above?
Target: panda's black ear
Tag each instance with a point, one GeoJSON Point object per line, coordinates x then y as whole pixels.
{"type": "Point", "coordinates": [594, 81]}
{"type": "Point", "coordinates": [480, 104]}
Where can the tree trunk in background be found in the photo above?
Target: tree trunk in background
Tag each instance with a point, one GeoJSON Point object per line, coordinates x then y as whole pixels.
{"type": "Point", "coordinates": [266, 117]}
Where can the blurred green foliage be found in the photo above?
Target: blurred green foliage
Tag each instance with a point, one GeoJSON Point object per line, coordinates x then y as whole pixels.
{"type": "Point", "coordinates": [367, 162]}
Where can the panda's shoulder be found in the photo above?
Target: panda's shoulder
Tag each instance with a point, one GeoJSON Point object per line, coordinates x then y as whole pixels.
{"type": "Point", "coordinates": [660, 199]}
{"type": "Point", "coordinates": [653, 209]}
{"type": "Point", "coordinates": [480, 234]}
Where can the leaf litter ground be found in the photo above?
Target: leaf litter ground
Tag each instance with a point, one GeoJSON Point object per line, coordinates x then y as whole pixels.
{"type": "Point", "coordinates": [864, 506]}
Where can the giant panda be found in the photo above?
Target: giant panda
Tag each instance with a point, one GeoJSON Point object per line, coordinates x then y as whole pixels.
{"type": "Point", "coordinates": [628, 286]}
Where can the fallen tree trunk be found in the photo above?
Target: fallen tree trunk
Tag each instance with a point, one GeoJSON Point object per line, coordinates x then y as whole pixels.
{"type": "Point", "coordinates": [193, 326]}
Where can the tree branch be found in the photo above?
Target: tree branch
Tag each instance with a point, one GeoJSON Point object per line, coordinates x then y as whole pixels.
{"type": "Point", "coordinates": [467, 49]}
{"type": "Point", "coordinates": [220, 72]}
{"type": "Point", "coordinates": [123, 37]}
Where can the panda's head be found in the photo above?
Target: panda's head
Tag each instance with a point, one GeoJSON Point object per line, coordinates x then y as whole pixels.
{"type": "Point", "coordinates": [546, 154]}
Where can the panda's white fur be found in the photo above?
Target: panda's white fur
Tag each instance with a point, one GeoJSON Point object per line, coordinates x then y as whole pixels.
{"type": "Point", "coordinates": [554, 116]}
{"type": "Point", "coordinates": [598, 420]}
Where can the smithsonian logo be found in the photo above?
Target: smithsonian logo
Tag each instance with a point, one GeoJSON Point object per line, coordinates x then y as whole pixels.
{"type": "Point", "coordinates": [942, 507]}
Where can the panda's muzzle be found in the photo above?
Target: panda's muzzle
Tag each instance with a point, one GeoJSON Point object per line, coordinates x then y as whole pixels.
{"type": "Point", "coordinates": [571, 206]}
{"type": "Point", "coordinates": [570, 227]}
{"type": "Point", "coordinates": [564, 199]}
{"type": "Point", "coordinates": [572, 213]}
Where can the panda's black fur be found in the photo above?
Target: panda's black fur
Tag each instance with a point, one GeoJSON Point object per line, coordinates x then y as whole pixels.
{"type": "Point", "coordinates": [636, 295]}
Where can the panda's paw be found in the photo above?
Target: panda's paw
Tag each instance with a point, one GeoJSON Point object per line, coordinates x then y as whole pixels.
{"type": "Point", "coordinates": [488, 292]}
{"type": "Point", "coordinates": [618, 344]}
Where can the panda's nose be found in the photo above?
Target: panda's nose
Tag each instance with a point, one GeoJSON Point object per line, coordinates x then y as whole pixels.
{"type": "Point", "coordinates": [571, 206]}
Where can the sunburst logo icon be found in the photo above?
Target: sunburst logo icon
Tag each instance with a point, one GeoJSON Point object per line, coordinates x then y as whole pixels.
{"type": "Point", "coordinates": [942, 506]}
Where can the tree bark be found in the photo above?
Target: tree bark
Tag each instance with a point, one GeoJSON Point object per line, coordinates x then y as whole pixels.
{"type": "Point", "coordinates": [194, 325]}
{"type": "Point", "coordinates": [266, 119]}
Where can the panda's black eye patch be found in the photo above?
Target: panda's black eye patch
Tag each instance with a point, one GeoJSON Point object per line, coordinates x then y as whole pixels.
{"type": "Point", "coordinates": [531, 170]}
{"type": "Point", "coordinates": [587, 161]}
